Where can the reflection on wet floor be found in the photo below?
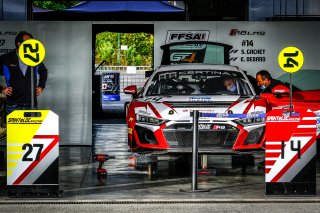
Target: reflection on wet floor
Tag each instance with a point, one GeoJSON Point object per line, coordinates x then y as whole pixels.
{"type": "Point", "coordinates": [123, 172]}
{"type": "Point", "coordinates": [126, 179]}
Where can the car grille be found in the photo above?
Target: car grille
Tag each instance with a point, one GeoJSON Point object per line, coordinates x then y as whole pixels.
{"type": "Point", "coordinates": [181, 136]}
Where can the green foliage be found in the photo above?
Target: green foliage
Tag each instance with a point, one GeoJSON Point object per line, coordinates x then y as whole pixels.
{"type": "Point", "coordinates": [139, 52]}
{"type": "Point", "coordinates": [55, 5]}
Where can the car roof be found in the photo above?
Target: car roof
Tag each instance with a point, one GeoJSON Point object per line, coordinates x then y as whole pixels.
{"type": "Point", "coordinates": [195, 66]}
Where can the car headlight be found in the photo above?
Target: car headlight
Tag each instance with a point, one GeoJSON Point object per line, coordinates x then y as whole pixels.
{"type": "Point", "coordinates": [252, 121]}
{"type": "Point", "coordinates": [150, 120]}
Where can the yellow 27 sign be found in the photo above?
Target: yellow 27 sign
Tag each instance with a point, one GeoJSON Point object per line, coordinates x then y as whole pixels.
{"type": "Point", "coordinates": [32, 52]}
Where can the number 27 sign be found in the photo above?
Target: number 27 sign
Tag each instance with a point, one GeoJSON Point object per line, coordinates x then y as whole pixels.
{"type": "Point", "coordinates": [32, 148]}
{"type": "Point", "coordinates": [31, 52]}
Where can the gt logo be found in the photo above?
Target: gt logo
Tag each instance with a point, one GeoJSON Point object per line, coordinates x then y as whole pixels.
{"type": "Point", "coordinates": [179, 56]}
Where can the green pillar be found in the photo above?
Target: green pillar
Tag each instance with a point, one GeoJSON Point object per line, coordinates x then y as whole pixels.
{"type": "Point", "coordinates": [118, 49]}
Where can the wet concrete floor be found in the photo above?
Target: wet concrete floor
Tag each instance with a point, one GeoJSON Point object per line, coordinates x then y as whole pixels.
{"type": "Point", "coordinates": [128, 182]}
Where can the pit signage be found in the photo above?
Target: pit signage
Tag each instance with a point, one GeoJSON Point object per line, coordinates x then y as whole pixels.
{"type": "Point", "coordinates": [31, 52]}
{"type": "Point", "coordinates": [290, 59]}
{"type": "Point", "coordinates": [32, 148]}
{"type": "Point", "coordinates": [290, 153]}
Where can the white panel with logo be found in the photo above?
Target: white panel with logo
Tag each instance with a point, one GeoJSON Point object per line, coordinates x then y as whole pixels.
{"type": "Point", "coordinates": [255, 44]}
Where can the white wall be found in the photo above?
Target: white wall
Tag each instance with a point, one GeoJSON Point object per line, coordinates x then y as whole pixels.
{"type": "Point", "coordinates": [69, 86]}
{"type": "Point", "coordinates": [270, 38]}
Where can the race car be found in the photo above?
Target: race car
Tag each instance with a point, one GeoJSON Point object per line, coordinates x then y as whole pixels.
{"type": "Point", "coordinates": [306, 93]}
{"type": "Point", "coordinates": [160, 116]}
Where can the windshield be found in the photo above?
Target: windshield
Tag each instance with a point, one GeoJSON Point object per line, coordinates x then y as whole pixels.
{"type": "Point", "coordinates": [199, 82]}
{"type": "Point", "coordinates": [195, 52]}
{"type": "Point", "coordinates": [303, 80]}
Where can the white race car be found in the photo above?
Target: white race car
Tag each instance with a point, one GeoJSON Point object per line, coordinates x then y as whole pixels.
{"type": "Point", "coordinates": [159, 117]}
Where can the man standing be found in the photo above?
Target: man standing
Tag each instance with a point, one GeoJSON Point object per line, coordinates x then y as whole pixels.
{"type": "Point", "coordinates": [18, 78]}
{"type": "Point", "coordinates": [266, 82]}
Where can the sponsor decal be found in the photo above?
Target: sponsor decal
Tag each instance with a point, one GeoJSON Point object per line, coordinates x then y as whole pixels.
{"type": "Point", "coordinates": [217, 127]}
{"type": "Point", "coordinates": [283, 118]}
{"type": "Point", "coordinates": [318, 122]}
{"type": "Point", "coordinates": [204, 126]}
{"type": "Point", "coordinates": [237, 32]}
{"type": "Point", "coordinates": [181, 36]}
{"type": "Point", "coordinates": [129, 130]}
{"type": "Point", "coordinates": [256, 114]}
{"type": "Point", "coordinates": [130, 119]}
{"type": "Point", "coordinates": [152, 99]}
{"type": "Point", "coordinates": [222, 115]}
{"type": "Point", "coordinates": [189, 47]}
{"type": "Point", "coordinates": [24, 120]}
{"type": "Point", "coordinates": [199, 99]}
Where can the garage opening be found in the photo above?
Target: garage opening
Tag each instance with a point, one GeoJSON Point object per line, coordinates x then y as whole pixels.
{"type": "Point", "coordinates": [122, 54]}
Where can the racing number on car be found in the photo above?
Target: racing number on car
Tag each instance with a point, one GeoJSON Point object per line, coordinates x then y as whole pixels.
{"type": "Point", "coordinates": [290, 59]}
{"type": "Point", "coordinates": [29, 147]}
{"type": "Point", "coordinates": [31, 52]}
{"type": "Point", "coordinates": [293, 147]}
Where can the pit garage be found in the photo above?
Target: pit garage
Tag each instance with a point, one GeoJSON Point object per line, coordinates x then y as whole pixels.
{"type": "Point", "coordinates": [100, 158]}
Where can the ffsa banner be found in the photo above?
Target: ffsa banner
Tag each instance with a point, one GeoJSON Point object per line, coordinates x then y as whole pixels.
{"type": "Point", "coordinates": [256, 45]}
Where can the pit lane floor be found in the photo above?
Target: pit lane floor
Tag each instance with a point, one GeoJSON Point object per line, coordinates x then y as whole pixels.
{"type": "Point", "coordinates": [228, 187]}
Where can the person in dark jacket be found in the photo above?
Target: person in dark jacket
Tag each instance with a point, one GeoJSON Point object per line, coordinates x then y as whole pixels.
{"type": "Point", "coordinates": [18, 78]}
{"type": "Point", "coordinates": [266, 82]}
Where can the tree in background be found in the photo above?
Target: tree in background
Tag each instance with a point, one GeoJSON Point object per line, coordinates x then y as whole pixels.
{"type": "Point", "coordinates": [55, 5]}
{"type": "Point", "coordinates": [139, 52]}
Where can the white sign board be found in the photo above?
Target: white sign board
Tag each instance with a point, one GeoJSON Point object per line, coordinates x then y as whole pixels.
{"type": "Point", "coordinates": [256, 45]}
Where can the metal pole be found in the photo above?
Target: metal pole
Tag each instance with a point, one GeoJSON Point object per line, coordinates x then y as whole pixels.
{"type": "Point", "coordinates": [195, 150]}
{"type": "Point", "coordinates": [195, 141]}
{"type": "Point", "coordinates": [273, 8]}
{"type": "Point", "coordinates": [285, 8]}
{"type": "Point", "coordinates": [186, 8]}
{"type": "Point", "coordinates": [291, 107]}
{"type": "Point", "coordinates": [32, 88]}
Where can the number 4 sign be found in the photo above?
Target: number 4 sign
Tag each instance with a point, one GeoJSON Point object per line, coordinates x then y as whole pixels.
{"type": "Point", "coordinates": [32, 152]}
{"type": "Point", "coordinates": [290, 153]}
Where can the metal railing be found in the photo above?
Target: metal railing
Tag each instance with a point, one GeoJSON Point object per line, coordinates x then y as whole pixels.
{"type": "Point", "coordinates": [124, 69]}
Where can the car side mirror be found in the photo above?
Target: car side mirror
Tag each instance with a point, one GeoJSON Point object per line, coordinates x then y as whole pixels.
{"type": "Point", "coordinates": [280, 91]}
{"type": "Point", "coordinates": [132, 89]}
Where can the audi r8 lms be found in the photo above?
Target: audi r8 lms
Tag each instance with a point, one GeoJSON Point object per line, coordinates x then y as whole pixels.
{"type": "Point", "coordinates": [160, 116]}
